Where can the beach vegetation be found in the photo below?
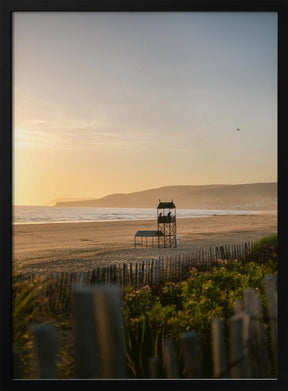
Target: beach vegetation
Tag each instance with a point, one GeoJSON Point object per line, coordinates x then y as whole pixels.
{"type": "Point", "coordinates": [152, 313]}
{"type": "Point", "coordinates": [188, 305]}
{"type": "Point", "coordinates": [265, 249]}
{"type": "Point", "coordinates": [31, 305]}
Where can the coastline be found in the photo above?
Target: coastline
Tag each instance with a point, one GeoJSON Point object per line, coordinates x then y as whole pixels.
{"type": "Point", "coordinates": [46, 215]}
{"type": "Point", "coordinates": [48, 247]}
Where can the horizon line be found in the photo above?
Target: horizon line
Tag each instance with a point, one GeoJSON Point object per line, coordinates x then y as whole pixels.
{"type": "Point", "coordinates": [139, 191]}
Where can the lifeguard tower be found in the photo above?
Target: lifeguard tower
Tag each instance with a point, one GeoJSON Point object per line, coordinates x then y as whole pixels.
{"type": "Point", "coordinates": [166, 222]}
{"type": "Point", "coordinates": [166, 233]}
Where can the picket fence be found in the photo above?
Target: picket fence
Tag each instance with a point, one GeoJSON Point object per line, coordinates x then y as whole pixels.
{"type": "Point", "coordinates": [100, 353]}
{"type": "Point", "coordinates": [138, 273]}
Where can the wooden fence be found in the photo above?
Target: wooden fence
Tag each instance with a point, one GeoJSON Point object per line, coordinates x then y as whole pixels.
{"type": "Point", "coordinates": [100, 353]}
{"type": "Point", "coordinates": [138, 273]}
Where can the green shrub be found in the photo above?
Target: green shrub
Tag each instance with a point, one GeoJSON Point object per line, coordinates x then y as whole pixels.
{"type": "Point", "coordinates": [151, 314]}
{"type": "Point", "coordinates": [189, 305]}
{"type": "Point", "coordinates": [265, 249]}
{"type": "Point", "coordinates": [30, 304]}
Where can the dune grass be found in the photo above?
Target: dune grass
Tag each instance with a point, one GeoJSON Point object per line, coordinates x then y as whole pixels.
{"type": "Point", "coordinates": [151, 314]}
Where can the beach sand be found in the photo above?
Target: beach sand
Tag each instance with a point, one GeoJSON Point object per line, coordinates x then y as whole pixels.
{"type": "Point", "coordinates": [53, 247]}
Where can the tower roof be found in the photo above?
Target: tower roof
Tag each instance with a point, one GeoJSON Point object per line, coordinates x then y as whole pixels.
{"type": "Point", "coordinates": [166, 205]}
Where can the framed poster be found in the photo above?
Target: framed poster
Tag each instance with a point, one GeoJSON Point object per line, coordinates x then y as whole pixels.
{"type": "Point", "coordinates": [141, 224]}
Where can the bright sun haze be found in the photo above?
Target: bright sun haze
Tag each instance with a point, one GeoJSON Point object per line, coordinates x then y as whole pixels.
{"type": "Point", "coordinates": [120, 102]}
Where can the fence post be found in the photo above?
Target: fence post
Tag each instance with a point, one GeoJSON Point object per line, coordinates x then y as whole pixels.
{"type": "Point", "coordinates": [237, 348]}
{"type": "Point", "coordinates": [155, 368]}
{"type": "Point", "coordinates": [270, 283]}
{"type": "Point", "coordinates": [264, 362]}
{"type": "Point", "coordinates": [131, 274]}
{"type": "Point", "coordinates": [112, 275]}
{"type": "Point", "coordinates": [169, 360]}
{"type": "Point", "coordinates": [191, 353]}
{"type": "Point", "coordinates": [142, 273]}
{"type": "Point", "coordinates": [156, 271]}
{"type": "Point", "coordinates": [86, 350]}
{"type": "Point", "coordinates": [124, 273]}
{"type": "Point", "coordinates": [82, 278]}
{"type": "Point", "coordinates": [93, 277]}
{"type": "Point", "coordinates": [16, 366]}
{"type": "Point", "coordinates": [136, 276]}
{"type": "Point", "coordinates": [152, 271]}
{"type": "Point", "coordinates": [98, 275]}
{"type": "Point", "coordinates": [119, 274]}
{"type": "Point", "coordinates": [249, 330]}
{"type": "Point", "coordinates": [146, 273]}
{"type": "Point", "coordinates": [179, 266]}
{"type": "Point", "coordinates": [45, 349]}
{"type": "Point", "coordinates": [109, 331]}
{"type": "Point", "coordinates": [219, 355]}
{"type": "Point", "coordinates": [103, 271]}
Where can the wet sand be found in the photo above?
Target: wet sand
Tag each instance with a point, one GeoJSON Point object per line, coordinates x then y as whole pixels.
{"type": "Point", "coordinates": [41, 248]}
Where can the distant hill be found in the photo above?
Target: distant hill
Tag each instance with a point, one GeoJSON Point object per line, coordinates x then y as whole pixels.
{"type": "Point", "coordinates": [254, 196]}
{"type": "Point", "coordinates": [53, 202]}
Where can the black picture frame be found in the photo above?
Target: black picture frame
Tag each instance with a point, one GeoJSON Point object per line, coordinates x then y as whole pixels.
{"type": "Point", "coordinates": [10, 6]}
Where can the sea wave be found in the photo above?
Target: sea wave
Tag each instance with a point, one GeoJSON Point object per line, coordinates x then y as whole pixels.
{"type": "Point", "coordinates": [50, 214]}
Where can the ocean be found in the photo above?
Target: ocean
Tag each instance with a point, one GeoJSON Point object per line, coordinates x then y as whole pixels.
{"type": "Point", "coordinates": [51, 214]}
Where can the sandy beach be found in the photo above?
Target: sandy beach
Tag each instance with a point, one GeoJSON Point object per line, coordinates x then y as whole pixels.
{"type": "Point", "coordinates": [41, 248]}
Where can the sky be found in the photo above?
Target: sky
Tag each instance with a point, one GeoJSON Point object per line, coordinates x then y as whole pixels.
{"type": "Point", "coordinates": [119, 102]}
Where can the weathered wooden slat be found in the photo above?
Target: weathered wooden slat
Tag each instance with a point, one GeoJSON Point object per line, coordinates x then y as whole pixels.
{"type": "Point", "coordinates": [237, 349]}
{"type": "Point", "coordinates": [264, 364]}
{"type": "Point", "coordinates": [16, 365]}
{"type": "Point", "coordinates": [45, 350]}
{"type": "Point", "coordinates": [124, 274]}
{"type": "Point", "coordinates": [156, 271]}
{"type": "Point", "coordinates": [270, 285]}
{"type": "Point", "coordinates": [250, 333]}
{"type": "Point", "coordinates": [191, 353]}
{"type": "Point", "coordinates": [143, 272]}
{"type": "Point", "coordinates": [220, 367]}
{"type": "Point", "coordinates": [109, 331]}
{"type": "Point", "coordinates": [169, 360]}
{"type": "Point", "coordinates": [87, 354]}
{"type": "Point", "coordinates": [155, 368]}
{"type": "Point", "coordinates": [130, 274]}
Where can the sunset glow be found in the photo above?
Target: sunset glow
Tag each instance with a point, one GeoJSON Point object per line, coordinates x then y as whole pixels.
{"type": "Point", "coordinates": [110, 103]}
